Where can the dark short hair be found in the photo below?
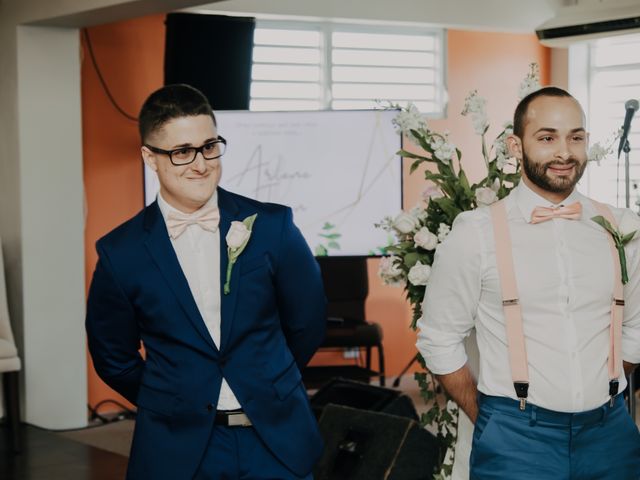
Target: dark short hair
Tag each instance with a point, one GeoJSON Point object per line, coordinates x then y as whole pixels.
{"type": "Point", "coordinates": [521, 110]}
{"type": "Point", "coordinates": [169, 102]}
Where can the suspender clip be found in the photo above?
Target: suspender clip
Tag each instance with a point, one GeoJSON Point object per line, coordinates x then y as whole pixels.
{"type": "Point", "coordinates": [522, 391]}
{"type": "Point", "coordinates": [614, 385]}
{"type": "Point", "coordinates": [511, 302]}
{"type": "Point", "coordinates": [619, 301]}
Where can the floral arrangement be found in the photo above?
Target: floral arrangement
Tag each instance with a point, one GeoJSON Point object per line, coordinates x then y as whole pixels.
{"type": "Point", "coordinates": [419, 231]}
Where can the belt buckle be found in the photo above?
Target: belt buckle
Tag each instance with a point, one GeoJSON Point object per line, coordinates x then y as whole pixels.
{"type": "Point", "coordinates": [238, 420]}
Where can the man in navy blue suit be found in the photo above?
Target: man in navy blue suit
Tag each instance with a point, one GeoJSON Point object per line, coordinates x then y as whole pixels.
{"type": "Point", "coordinates": [227, 299]}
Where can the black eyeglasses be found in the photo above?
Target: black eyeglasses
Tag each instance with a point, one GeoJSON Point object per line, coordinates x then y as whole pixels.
{"type": "Point", "coordinates": [186, 155]}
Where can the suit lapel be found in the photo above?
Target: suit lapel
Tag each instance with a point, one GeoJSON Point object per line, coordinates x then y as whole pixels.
{"type": "Point", "coordinates": [159, 246]}
{"type": "Point", "coordinates": [229, 212]}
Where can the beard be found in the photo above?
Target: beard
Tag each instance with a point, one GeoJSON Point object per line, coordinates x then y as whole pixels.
{"type": "Point", "coordinates": [537, 173]}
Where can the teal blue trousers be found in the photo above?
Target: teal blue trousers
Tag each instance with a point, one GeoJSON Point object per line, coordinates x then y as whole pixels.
{"type": "Point", "coordinates": [541, 444]}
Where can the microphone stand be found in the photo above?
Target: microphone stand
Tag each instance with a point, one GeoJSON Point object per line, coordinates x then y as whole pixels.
{"type": "Point", "coordinates": [626, 148]}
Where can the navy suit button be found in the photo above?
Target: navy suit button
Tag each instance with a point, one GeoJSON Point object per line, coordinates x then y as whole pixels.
{"type": "Point", "coordinates": [210, 407]}
{"type": "Point", "coordinates": [223, 361]}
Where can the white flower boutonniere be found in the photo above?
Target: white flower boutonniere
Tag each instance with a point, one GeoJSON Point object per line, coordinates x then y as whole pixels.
{"type": "Point", "coordinates": [237, 238]}
{"type": "Point", "coordinates": [621, 237]}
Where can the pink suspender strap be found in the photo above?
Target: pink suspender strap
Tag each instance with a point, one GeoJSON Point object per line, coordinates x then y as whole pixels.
{"type": "Point", "coordinates": [513, 313]}
{"type": "Point", "coordinates": [617, 308]}
{"type": "Point", "coordinates": [510, 302]}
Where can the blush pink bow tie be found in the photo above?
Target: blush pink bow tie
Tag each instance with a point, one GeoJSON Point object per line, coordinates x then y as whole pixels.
{"type": "Point", "coordinates": [207, 218]}
{"type": "Point", "coordinates": [570, 212]}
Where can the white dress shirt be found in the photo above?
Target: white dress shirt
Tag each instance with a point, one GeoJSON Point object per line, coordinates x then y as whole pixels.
{"type": "Point", "coordinates": [564, 273]}
{"type": "Point", "coordinates": [198, 252]}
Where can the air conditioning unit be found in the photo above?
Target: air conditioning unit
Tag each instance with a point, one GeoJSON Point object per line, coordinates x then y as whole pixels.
{"type": "Point", "coordinates": [585, 20]}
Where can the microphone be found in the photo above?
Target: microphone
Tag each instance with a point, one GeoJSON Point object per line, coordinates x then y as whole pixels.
{"type": "Point", "coordinates": [631, 106]}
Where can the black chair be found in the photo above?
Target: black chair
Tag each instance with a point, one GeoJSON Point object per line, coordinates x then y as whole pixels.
{"type": "Point", "coordinates": [346, 286]}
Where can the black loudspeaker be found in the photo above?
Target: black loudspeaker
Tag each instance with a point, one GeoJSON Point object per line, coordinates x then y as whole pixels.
{"type": "Point", "coordinates": [212, 53]}
{"type": "Point", "coordinates": [363, 396]}
{"type": "Point", "coordinates": [366, 445]}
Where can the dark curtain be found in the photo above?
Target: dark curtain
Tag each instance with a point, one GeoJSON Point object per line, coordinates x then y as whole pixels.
{"type": "Point", "coordinates": [212, 53]}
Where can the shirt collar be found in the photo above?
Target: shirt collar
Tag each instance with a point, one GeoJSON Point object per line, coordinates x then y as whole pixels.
{"type": "Point", "coordinates": [165, 207]}
{"type": "Point", "coordinates": [527, 200]}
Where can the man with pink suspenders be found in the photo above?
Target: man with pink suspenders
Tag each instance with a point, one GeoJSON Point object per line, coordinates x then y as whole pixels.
{"type": "Point", "coordinates": [542, 284]}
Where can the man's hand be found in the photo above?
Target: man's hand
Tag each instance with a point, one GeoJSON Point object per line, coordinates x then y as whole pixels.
{"type": "Point", "coordinates": [628, 367]}
{"type": "Point", "coordinates": [462, 388]}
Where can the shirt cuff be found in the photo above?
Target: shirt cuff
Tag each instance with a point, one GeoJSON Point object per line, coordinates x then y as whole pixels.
{"type": "Point", "coordinates": [442, 361]}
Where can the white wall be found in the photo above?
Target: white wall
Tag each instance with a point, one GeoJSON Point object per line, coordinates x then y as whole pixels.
{"type": "Point", "coordinates": [50, 139]}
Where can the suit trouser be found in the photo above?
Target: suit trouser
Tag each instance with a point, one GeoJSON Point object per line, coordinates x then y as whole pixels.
{"type": "Point", "coordinates": [237, 453]}
{"type": "Point", "coordinates": [540, 444]}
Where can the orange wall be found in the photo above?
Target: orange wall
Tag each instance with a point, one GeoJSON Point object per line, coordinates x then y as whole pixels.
{"type": "Point", "coordinates": [130, 56]}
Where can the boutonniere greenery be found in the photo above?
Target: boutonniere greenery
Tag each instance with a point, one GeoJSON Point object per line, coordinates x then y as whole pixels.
{"type": "Point", "coordinates": [237, 238]}
{"type": "Point", "coordinates": [620, 239]}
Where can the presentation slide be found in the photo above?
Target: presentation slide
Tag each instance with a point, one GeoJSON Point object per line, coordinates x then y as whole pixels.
{"type": "Point", "coordinates": [337, 170]}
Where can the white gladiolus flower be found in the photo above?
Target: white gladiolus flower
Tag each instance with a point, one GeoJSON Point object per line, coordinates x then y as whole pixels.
{"type": "Point", "coordinates": [419, 274]}
{"type": "Point", "coordinates": [597, 153]}
{"type": "Point", "coordinates": [443, 231]}
{"type": "Point", "coordinates": [531, 82]}
{"type": "Point", "coordinates": [445, 152]}
{"type": "Point", "coordinates": [480, 124]}
{"type": "Point", "coordinates": [408, 119]}
{"type": "Point", "coordinates": [474, 104]}
{"type": "Point", "coordinates": [485, 196]}
{"type": "Point", "coordinates": [431, 192]}
{"type": "Point", "coordinates": [502, 161]}
{"type": "Point", "coordinates": [405, 223]}
{"type": "Point", "coordinates": [425, 239]}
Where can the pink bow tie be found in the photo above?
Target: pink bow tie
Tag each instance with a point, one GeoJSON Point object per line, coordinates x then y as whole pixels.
{"type": "Point", "coordinates": [570, 212]}
{"type": "Point", "coordinates": [207, 218]}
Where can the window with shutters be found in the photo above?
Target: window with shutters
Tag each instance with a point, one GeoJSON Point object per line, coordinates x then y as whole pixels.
{"type": "Point", "coordinates": [315, 66]}
{"type": "Point", "coordinates": [613, 77]}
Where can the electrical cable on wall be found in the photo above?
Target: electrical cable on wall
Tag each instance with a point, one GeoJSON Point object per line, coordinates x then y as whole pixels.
{"type": "Point", "coordinates": [102, 81]}
{"type": "Point", "coordinates": [124, 413]}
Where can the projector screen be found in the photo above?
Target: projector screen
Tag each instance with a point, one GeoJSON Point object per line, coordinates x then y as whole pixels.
{"type": "Point", "coordinates": [337, 170]}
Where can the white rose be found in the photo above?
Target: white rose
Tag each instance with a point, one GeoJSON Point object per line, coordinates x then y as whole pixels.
{"type": "Point", "coordinates": [443, 231]}
{"type": "Point", "coordinates": [419, 213]}
{"type": "Point", "coordinates": [419, 274]}
{"type": "Point", "coordinates": [425, 239]}
{"type": "Point", "coordinates": [485, 196]}
{"type": "Point", "coordinates": [388, 271]}
{"type": "Point", "coordinates": [628, 223]}
{"type": "Point", "coordinates": [405, 223]}
{"type": "Point", "coordinates": [238, 235]}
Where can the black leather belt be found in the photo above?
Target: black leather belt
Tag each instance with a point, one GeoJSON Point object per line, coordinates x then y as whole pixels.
{"type": "Point", "coordinates": [232, 418]}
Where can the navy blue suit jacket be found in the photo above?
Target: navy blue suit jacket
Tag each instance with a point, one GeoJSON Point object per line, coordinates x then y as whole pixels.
{"type": "Point", "coordinates": [272, 322]}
